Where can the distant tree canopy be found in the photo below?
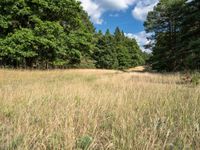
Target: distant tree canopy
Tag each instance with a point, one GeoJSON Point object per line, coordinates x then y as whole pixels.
{"type": "Point", "coordinates": [117, 51]}
{"type": "Point", "coordinates": [175, 40]}
{"type": "Point", "coordinates": [58, 34]}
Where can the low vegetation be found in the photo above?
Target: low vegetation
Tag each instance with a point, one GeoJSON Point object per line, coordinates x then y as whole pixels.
{"type": "Point", "coordinates": [97, 109]}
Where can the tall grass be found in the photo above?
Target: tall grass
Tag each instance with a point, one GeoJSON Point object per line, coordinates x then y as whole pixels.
{"type": "Point", "coordinates": [96, 109]}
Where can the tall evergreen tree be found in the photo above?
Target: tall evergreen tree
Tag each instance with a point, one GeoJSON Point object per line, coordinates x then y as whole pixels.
{"type": "Point", "coordinates": [123, 56]}
{"type": "Point", "coordinates": [190, 35]}
{"type": "Point", "coordinates": [105, 54]}
{"type": "Point", "coordinates": [117, 51]}
{"type": "Point", "coordinates": [172, 23]}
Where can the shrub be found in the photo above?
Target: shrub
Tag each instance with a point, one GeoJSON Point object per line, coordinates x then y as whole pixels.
{"type": "Point", "coordinates": [84, 142]}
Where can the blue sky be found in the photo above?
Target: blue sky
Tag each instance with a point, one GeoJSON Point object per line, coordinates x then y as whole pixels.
{"type": "Point", "coordinates": [123, 19]}
{"type": "Point", "coordinates": [129, 15]}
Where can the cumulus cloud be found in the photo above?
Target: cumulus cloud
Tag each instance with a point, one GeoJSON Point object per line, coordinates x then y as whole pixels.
{"type": "Point", "coordinates": [96, 8]}
{"type": "Point", "coordinates": [93, 10]}
{"type": "Point", "coordinates": [140, 37]}
{"type": "Point", "coordinates": [142, 8]}
{"type": "Point", "coordinates": [115, 5]}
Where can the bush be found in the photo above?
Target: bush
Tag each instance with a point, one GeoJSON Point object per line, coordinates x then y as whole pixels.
{"type": "Point", "coordinates": [84, 142]}
{"type": "Point", "coordinates": [195, 78]}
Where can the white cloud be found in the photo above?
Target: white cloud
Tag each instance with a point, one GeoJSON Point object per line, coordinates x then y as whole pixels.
{"type": "Point", "coordinates": [93, 10]}
{"type": "Point", "coordinates": [142, 8]}
{"type": "Point", "coordinates": [140, 37]}
{"type": "Point", "coordinates": [115, 5]}
{"type": "Point", "coordinates": [96, 8]}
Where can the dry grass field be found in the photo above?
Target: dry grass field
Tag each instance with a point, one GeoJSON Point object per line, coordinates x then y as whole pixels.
{"type": "Point", "coordinates": [97, 109]}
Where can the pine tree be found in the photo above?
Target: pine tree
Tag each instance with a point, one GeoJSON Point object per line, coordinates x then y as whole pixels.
{"type": "Point", "coordinates": [105, 54]}
{"type": "Point", "coordinates": [175, 28]}
{"type": "Point", "coordinates": [190, 36]}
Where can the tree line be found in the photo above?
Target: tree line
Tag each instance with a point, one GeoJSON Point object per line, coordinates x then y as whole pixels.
{"type": "Point", "coordinates": [49, 34]}
{"type": "Point", "coordinates": [175, 35]}
{"type": "Point", "coordinates": [117, 51]}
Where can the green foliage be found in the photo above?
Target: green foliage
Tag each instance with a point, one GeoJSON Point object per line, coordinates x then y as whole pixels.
{"type": "Point", "coordinates": [49, 34]}
{"type": "Point", "coordinates": [175, 35]}
{"type": "Point", "coordinates": [43, 34]}
{"type": "Point", "coordinates": [196, 79]}
{"type": "Point", "coordinates": [117, 51]}
{"type": "Point", "coordinates": [84, 142]}
{"type": "Point", "coordinates": [105, 54]}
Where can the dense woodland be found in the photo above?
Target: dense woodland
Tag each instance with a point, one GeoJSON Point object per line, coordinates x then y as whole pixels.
{"type": "Point", "coordinates": [49, 34]}
{"type": "Point", "coordinates": [175, 35]}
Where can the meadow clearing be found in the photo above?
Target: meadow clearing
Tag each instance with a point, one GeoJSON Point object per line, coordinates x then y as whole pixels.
{"type": "Point", "coordinates": [97, 109]}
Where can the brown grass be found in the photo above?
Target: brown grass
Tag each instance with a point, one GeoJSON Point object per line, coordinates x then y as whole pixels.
{"type": "Point", "coordinates": [110, 109]}
{"type": "Point", "coordinates": [138, 69]}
